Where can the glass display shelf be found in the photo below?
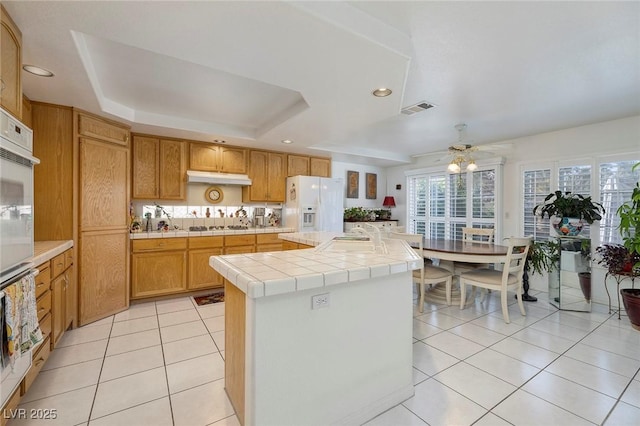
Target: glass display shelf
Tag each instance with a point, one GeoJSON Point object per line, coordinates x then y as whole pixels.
{"type": "Point", "coordinates": [570, 282]}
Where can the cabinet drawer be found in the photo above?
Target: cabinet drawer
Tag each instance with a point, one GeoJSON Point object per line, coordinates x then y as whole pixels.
{"type": "Point", "coordinates": [39, 358]}
{"type": "Point", "coordinates": [205, 242]}
{"type": "Point", "coordinates": [240, 249]}
{"type": "Point", "coordinates": [57, 265]}
{"type": "Point", "coordinates": [239, 240]}
{"type": "Point", "coordinates": [10, 406]}
{"type": "Point", "coordinates": [156, 244]}
{"type": "Point", "coordinates": [261, 248]}
{"type": "Point", "coordinates": [45, 326]}
{"type": "Point", "coordinates": [97, 129]}
{"type": "Point", "coordinates": [68, 258]}
{"type": "Point", "coordinates": [43, 279]}
{"type": "Point", "coordinates": [44, 305]}
{"type": "Point", "coordinates": [267, 238]}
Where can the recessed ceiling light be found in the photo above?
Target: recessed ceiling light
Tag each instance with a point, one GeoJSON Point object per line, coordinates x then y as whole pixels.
{"type": "Point", "coordinates": [287, 141]}
{"type": "Point", "coordinates": [41, 72]}
{"type": "Point", "coordinates": [381, 92]}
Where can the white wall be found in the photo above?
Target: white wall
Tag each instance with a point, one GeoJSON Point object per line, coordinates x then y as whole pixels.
{"type": "Point", "coordinates": [339, 170]}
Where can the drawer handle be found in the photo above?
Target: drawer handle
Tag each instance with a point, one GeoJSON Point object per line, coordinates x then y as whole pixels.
{"type": "Point", "coordinates": [60, 264]}
{"type": "Point", "coordinates": [41, 310]}
{"type": "Point", "coordinates": [39, 361]}
{"type": "Point", "coordinates": [39, 284]}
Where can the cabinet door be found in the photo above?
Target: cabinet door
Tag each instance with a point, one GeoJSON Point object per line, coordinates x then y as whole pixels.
{"type": "Point", "coordinates": [297, 165]}
{"type": "Point", "coordinates": [277, 177]}
{"type": "Point", "coordinates": [201, 275]}
{"type": "Point", "coordinates": [103, 283]}
{"type": "Point", "coordinates": [97, 128]}
{"type": "Point", "coordinates": [240, 249]}
{"type": "Point", "coordinates": [57, 309]}
{"type": "Point", "coordinates": [158, 273]}
{"type": "Point", "coordinates": [146, 154]}
{"type": "Point", "coordinates": [258, 172]}
{"type": "Point", "coordinates": [104, 185]}
{"type": "Point", "coordinates": [69, 298]}
{"type": "Point", "coordinates": [11, 60]}
{"type": "Point", "coordinates": [233, 160]}
{"type": "Point", "coordinates": [203, 157]}
{"type": "Point", "coordinates": [173, 170]}
{"type": "Point", "coordinates": [320, 167]}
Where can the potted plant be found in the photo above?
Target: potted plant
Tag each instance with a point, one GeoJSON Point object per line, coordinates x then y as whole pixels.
{"type": "Point", "coordinates": [355, 214]}
{"type": "Point", "coordinates": [569, 211]}
{"type": "Point", "coordinates": [629, 214]}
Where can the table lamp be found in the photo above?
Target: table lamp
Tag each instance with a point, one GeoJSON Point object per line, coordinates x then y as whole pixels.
{"type": "Point", "coordinates": [389, 202]}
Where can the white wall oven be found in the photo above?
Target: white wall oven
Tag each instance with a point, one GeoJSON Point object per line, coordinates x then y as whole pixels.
{"type": "Point", "coordinates": [19, 328]}
{"type": "Point", "coordinates": [16, 196]}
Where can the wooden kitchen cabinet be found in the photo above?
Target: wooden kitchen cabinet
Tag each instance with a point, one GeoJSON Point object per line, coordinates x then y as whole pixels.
{"type": "Point", "coordinates": [297, 165]}
{"type": "Point", "coordinates": [268, 173]}
{"type": "Point", "coordinates": [159, 168]}
{"type": "Point", "coordinates": [158, 267]}
{"type": "Point", "coordinates": [237, 244]}
{"type": "Point", "coordinates": [27, 117]}
{"type": "Point", "coordinates": [81, 193]}
{"type": "Point", "coordinates": [217, 158]}
{"type": "Point", "coordinates": [63, 301]}
{"type": "Point", "coordinates": [201, 275]}
{"type": "Point", "coordinates": [268, 242]}
{"type": "Point", "coordinates": [11, 69]}
{"type": "Point", "coordinates": [319, 166]}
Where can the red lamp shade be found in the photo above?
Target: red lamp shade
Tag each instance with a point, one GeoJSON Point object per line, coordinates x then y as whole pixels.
{"type": "Point", "coordinates": [389, 202]}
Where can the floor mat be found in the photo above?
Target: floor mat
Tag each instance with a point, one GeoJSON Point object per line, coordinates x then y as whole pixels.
{"type": "Point", "coordinates": [209, 298]}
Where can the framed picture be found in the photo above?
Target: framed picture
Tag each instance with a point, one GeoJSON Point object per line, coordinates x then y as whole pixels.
{"type": "Point", "coordinates": [372, 186]}
{"type": "Point", "coordinates": [353, 179]}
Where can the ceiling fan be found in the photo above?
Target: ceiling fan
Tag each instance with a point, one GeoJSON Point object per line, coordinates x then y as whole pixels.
{"type": "Point", "coordinates": [462, 153]}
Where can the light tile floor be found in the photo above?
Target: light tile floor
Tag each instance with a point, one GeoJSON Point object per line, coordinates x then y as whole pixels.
{"type": "Point", "coordinates": [162, 363]}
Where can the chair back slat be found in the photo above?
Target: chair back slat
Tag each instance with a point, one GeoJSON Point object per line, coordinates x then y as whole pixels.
{"type": "Point", "coordinates": [414, 240]}
{"type": "Point", "coordinates": [478, 235]}
{"type": "Point", "coordinates": [516, 256]}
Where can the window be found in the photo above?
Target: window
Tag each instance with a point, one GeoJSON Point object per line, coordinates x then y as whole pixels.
{"type": "Point", "coordinates": [441, 204]}
{"type": "Point", "coordinates": [617, 181]}
{"type": "Point", "coordinates": [537, 185]}
{"type": "Point", "coordinates": [612, 186]}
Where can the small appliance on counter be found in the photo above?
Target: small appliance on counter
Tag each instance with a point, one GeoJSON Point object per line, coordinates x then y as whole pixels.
{"type": "Point", "coordinates": [258, 217]}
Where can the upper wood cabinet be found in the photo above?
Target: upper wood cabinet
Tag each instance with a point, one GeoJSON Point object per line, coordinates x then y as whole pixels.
{"type": "Point", "coordinates": [297, 165]}
{"type": "Point", "coordinates": [320, 166]}
{"type": "Point", "coordinates": [303, 165]}
{"type": "Point", "coordinates": [217, 158]}
{"type": "Point", "coordinates": [10, 71]}
{"type": "Point", "coordinates": [173, 170]}
{"type": "Point", "coordinates": [268, 172]}
{"type": "Point", "coordinates": [159, 168]}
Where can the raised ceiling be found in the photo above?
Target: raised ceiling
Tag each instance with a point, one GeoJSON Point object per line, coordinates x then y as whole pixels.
{"type": "Point", "coordinates": [255, 73]}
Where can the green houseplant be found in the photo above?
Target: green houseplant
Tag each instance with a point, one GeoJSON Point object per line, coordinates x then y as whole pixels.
{"type": "Point", "coordinates": [629, 214]}
{"type": "Point", "coordinates": [570, 210]}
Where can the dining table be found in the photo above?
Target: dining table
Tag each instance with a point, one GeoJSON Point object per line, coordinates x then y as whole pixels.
{"type": "Point", "coordinates": [445, 252]}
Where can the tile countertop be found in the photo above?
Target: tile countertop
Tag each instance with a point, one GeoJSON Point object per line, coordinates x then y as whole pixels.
{"type": "Point", "coordinates": [176, 234]}
{"type": "Point", "coordinates": [43, 251]}
{"type": "Point", "coordinates": [272, 273]}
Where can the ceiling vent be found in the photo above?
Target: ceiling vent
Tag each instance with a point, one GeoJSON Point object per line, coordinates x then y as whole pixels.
{"type": "Point", "coordinates": [422, 106]}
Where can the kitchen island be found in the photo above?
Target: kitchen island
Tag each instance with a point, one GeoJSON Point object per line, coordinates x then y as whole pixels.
{"type": "Point", "coordinates": [315, 336]}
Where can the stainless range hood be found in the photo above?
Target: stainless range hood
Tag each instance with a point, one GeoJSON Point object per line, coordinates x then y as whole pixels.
{"type": "Point", "coordinates": [194, 176]}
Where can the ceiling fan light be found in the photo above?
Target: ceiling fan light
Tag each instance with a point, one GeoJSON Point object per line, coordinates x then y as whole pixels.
{"type": "Point", "coordinates": [472, 166]}
{"type": "Point", "coordinates": [453, 168]}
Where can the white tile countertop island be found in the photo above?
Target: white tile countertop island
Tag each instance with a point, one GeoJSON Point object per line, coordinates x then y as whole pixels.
{"type": "Point", "coordinates": [315, 336]}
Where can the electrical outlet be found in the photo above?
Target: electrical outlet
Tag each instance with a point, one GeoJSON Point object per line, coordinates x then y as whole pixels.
{"type": "Point", "coordinates": [320, 301]}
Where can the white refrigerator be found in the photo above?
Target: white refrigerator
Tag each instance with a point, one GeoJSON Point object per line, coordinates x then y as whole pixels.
{"type": "Point", "coordinates": [314, 204]}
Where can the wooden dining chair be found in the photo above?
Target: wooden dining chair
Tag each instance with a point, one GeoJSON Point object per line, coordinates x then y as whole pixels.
{"type": "Point", "coordinates": [510, 278]}
{"type": "Point", "coordinates": [477, 236]}
{"type": "Point", "coordinates": [429, 274]}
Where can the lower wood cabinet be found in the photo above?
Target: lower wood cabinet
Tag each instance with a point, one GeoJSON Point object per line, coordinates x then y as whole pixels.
{"type": "Point", "coordinates": [268, 242]}
{"type": "Point", "coordinates": [201, 275]}
{"type": "Point", "coordinates": [62, 292]}
{"type": "Point", "coordinates": [290, 245]}
{"type": "Point", "coordinates": [158, 267]}
{"type": "Point", "coordinates": [165, 266]}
